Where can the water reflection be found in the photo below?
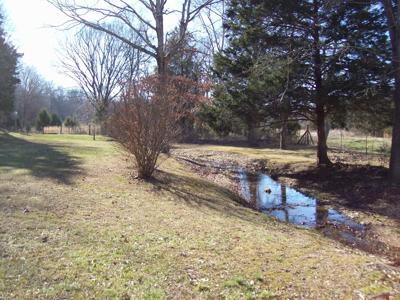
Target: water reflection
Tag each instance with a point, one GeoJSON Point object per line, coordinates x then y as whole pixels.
{"type": "Point", "coordinates": [289, 205]}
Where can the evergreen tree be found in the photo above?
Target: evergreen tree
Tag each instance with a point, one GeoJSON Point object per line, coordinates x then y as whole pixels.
{"type": "Point", "coordinates": [251, 79]}
{"type": "Point", "coordinates": [71, 122]}
{"type": "Point", "coordinates": [326, 40]}
{"type": "Point", "coordinates": [218, 118]}
{"type": "Point", "coordinates": [8, 74]}
{"type": "Point", "coordinates": [55, 120]}
{"type": "Point", "coordinates": [43, 119]}
{"type": "Point", "coordinates": [189, 63]}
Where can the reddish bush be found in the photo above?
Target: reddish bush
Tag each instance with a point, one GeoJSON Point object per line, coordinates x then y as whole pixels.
{"type": "Point", "coordinates": [146, 120]}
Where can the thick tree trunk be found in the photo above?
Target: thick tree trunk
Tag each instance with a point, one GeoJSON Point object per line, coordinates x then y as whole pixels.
{"type": "Point", "coordinates": [322, 149]}
{"type": "Point", "coordinates": [161, 51]}
{"type": "Point", "coordinates": [395, 150]}
{"type": "Point", "coordinates": [393, 21]}
{"type": "Point", "coordinates": [162, 65]}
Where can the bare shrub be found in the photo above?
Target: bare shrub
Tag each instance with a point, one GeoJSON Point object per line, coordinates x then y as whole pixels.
{"type": "Point", "coordinates": [146, 120]}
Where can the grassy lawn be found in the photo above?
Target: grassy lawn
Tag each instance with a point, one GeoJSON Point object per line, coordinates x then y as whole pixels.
{"type": "Point", "coordinates": [360, 143]}
{"type": "Point", "coordinates": [298, 156]}
{"type": "Point", "coordinates": [74, 225]}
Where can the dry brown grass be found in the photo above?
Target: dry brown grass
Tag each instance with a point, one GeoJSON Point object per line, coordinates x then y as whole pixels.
{"type": "Point", "coordinates": [102, 235]}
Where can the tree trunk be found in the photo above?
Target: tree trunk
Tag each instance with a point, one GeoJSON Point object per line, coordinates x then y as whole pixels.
{"type": "Point", "coordinates": [251, 135]}
{"type": "Point", "coordinates": [393, 23]}
{"type": "Point", "coordinates": [162, 65]}
{"type": "Point", "coordinates": [322, 149]}
{"type": "Point", "coordinates": [284, 132]}
{"type": "Point", "coordinates": [392, 17]}
{"type": "Point", "coordinates": [394, 165]}
{"type": "Point", "coordinates": [161, 51]}
{"type": "Point", "coordinates": [101, 115]}
{"type": "Point", "coordinates": [327, 128]}
{"type": "Point", "coordinates": [395, 150]}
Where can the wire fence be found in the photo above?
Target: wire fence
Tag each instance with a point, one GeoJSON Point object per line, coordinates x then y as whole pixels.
{"type": "Point", "coordinates": [82, 129]}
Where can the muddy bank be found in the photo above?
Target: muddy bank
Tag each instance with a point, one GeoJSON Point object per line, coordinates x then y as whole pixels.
{"type": "Point", "coordinates": [344, 192]}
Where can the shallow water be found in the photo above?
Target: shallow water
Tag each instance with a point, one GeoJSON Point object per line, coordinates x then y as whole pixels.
{"type": "Point", "coordinates": [289, 205]}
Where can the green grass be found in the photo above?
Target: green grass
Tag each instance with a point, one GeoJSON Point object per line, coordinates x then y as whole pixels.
{"type": "Point", "coordinates": [359, 143]}
{"type": "Point", "coordinates": [271, 156]}
{"type": "Point", "coordinates": [298, 156]}
{"type": "Point", "coordinates": [74, 225]}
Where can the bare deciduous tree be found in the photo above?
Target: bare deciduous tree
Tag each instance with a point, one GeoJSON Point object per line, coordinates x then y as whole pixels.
{"type": "Point", "coordinates": [101, 65]}
{"type": "Point", "coordinates": [212, 18]}
{"type": "Point", "coordinates": [147, 118]}
{"type": "Point", "coordinates": [144, 18]}
{"type": "Point", "coordinates": [31, 96]}
{"type": "Point", "coordinates": [34, 93]}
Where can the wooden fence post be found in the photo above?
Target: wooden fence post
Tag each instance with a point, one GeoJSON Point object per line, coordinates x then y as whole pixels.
{"type": "Point", "coordinates": [341, 140]}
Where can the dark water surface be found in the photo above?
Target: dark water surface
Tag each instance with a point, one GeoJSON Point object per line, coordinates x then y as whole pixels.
{"type": "Point", "coordinates": [288, 205]}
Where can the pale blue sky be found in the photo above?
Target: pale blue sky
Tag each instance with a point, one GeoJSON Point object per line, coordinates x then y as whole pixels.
{"type": "Point", "coordinates": [28, 25]}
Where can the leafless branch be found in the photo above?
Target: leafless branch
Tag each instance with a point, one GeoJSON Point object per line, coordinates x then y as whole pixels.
{"type": "Point", "coordinates": [100, 64]}
{"type": "Point", "coordinates": [144, 18]}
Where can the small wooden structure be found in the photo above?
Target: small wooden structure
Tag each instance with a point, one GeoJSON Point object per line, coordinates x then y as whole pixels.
{"type": "Point", "coordinates": [306, 138]}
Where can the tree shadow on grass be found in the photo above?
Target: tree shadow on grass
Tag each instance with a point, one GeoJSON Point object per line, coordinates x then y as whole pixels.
{"type": "Point", "coordinates": [361, 187]}
{"type": "Point", "coordinates": [201, 193]}
{"type": "Point", "coordinates": [41, 160]}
